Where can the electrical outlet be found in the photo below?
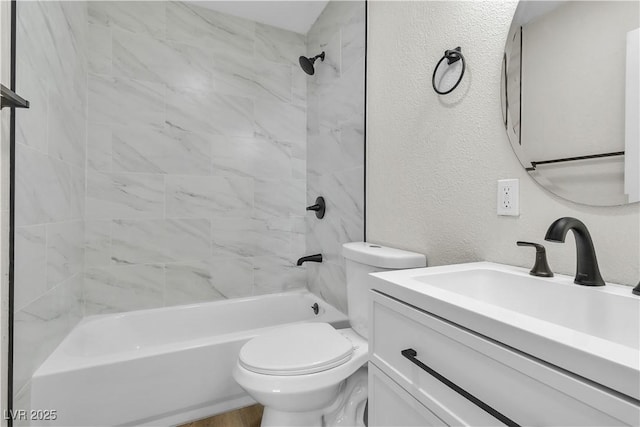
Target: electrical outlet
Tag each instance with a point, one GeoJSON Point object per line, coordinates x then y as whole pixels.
{"type": "Point", "coordinates": [509, 197]}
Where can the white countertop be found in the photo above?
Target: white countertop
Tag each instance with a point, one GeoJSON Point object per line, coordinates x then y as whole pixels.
{"type": "Point", "coordinates": [593, 332]}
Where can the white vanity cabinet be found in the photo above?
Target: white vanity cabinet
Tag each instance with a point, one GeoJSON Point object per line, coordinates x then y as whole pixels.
{"type": "Point", "coordinates": [393, 406]}
{"type": "Point", "coordinates": [428, 371]}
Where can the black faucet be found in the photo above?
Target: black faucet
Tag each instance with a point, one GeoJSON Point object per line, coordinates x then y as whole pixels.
{"type": "Point", "coordinates": [587, 271]}
{"type": "Point", "coordinates": [312, 258]}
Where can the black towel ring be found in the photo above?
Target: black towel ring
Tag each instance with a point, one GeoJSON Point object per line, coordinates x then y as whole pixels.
{"type": "Point", "coordinates": [452, 56]}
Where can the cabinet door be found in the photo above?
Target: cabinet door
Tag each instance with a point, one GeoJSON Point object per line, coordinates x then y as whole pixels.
{"type": "Point", "coordinates": [391, 405]}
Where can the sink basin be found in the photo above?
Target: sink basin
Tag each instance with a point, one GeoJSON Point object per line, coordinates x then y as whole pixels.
{"type": "Point", "coordinates": [607, 315]}
{"type": "Point", "coordinates": [592, 332]}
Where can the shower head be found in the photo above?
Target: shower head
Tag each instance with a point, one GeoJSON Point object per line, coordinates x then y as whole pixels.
{"type": "Point", "coordinates": [307, 63]}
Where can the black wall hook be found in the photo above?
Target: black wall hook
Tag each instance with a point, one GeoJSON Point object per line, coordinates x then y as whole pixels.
{"type": "Point", "coordinates": [452, 56]}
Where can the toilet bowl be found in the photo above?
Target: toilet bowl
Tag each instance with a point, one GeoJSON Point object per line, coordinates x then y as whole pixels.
{"type": "Point", "coordinates": [300, 393]}
{"type": "Point", "coordinates": [311, 374]}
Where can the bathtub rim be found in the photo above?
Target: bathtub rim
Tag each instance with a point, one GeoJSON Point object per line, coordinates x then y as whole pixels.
{"type": "Point", "coordinates": [60, 361]}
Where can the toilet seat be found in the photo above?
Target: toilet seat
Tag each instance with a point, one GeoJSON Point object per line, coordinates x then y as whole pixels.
{"type": "Point", "coordinates": [300, 349]}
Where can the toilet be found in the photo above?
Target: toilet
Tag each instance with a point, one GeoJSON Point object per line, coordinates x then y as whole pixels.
{"type": "Point", "coordinates": [310, 374]}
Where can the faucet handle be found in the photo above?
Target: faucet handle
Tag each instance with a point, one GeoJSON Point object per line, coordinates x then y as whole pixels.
{"type": "Point", "coordinates": [541, 266]}
{"type": "Point", "coordinates": [320, 207]}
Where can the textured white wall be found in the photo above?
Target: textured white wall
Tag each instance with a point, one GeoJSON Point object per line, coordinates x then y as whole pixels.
{"type": "Point", "coordinates": [433, 161]}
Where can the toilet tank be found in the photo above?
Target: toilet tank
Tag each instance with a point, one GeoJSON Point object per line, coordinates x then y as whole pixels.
{"type": "Point", "coordinates": [362, 258]}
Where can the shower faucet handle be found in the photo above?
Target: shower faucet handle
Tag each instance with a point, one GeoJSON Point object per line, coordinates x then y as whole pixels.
{"type": "Point", "coordinates": [541, 266]}
{"type": "Point", "coordinates": [319, 207]}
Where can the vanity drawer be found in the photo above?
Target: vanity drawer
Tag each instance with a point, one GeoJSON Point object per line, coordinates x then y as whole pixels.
{"type": "Point", "coordinates": [523, 390]}
{"type": "Point", "coordinates": [391, 405]}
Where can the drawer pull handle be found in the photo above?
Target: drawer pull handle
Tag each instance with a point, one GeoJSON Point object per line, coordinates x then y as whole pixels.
{"type": "Point", "coordinates": [411, 354]}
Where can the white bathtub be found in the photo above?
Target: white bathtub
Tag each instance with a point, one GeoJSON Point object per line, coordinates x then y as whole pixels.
{"type": "Point", "coordinates": [163, 366]}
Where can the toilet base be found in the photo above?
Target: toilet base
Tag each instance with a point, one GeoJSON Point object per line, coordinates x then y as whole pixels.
{"type": "Point", "coordinates": [349, 409]}
{"type": "Point", "coordinates": [346, 410]}
{"type": "Point", "coordinates": [275, 418]}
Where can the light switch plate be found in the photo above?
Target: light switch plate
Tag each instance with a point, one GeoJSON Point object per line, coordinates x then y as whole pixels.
{"type": "Point", "coordinates": [509, 197]}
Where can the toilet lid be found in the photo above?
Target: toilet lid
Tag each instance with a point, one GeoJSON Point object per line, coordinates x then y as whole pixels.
{"type": "Point", "coordinates": [296, 350]}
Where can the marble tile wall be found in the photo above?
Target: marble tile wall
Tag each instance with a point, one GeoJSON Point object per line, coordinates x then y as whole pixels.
{"type": "Point", "coordinates": [335, 143]}
{"type": "Point", "coordinates": [51, 72]}
{"type": "Point", "coordinates": [196, 157]}
{"type": "Point", "coordinates": [164, 161]}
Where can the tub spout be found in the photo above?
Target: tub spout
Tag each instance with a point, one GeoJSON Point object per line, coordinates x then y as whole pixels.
{"type": "Point", "coordinates": [312, 258]}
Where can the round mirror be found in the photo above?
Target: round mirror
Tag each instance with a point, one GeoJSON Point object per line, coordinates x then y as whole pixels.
{"type": "Point", "coordinates": [570, 97]}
